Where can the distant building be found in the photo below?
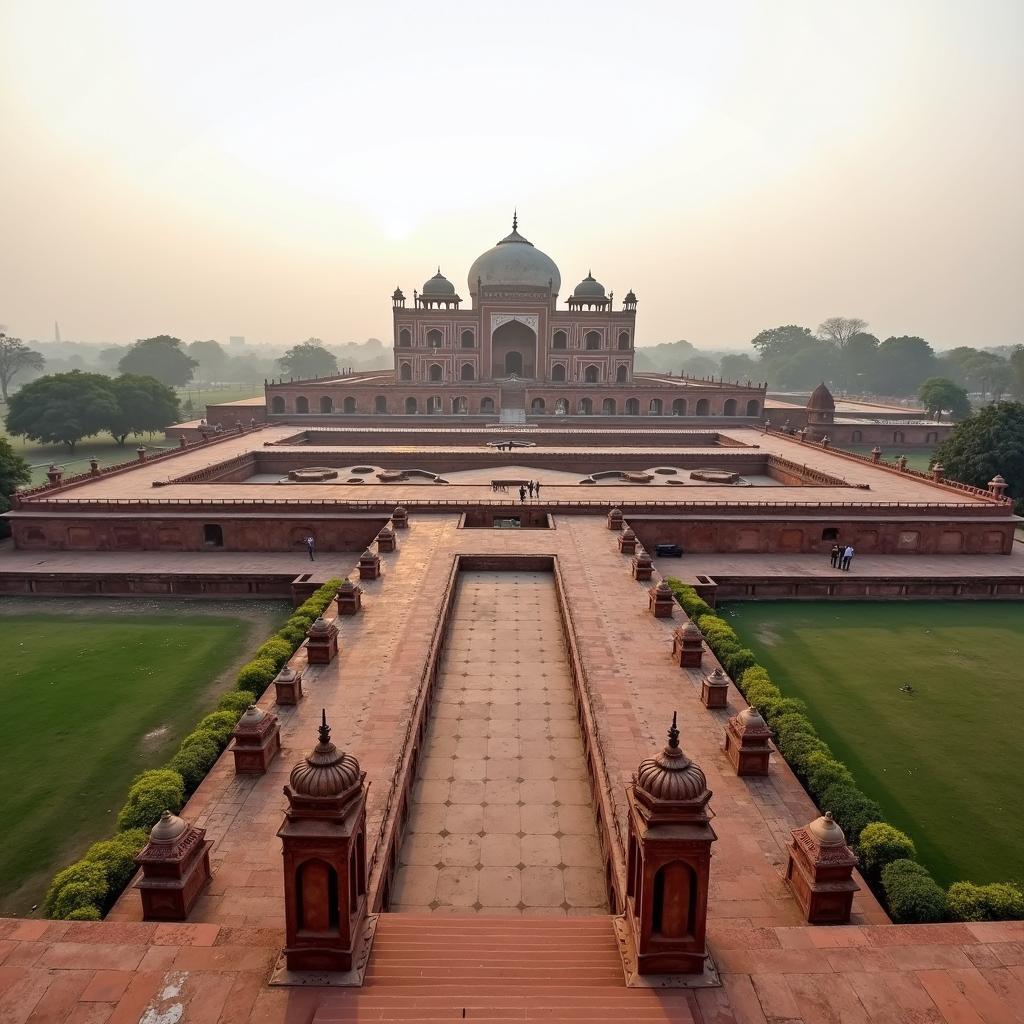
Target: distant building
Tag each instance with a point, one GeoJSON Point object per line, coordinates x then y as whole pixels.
{"type": "Point", "coordinates": [236, 341]}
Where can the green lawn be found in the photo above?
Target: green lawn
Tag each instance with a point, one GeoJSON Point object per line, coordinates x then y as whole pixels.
{"type": "Point", "coordinates": [946, 762]}
{"type": "Point", "coordinates": [91, 698]}
{"type": "Point", "coordinates": [917, 458]}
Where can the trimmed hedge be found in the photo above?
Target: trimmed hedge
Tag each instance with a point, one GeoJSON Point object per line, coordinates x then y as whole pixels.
{"type": "Point", "coordinates": [86, 889]}
{"type": "Point", "coordinates": [887, 854]}
{"type": "Point", "coordinates": [913, 896]}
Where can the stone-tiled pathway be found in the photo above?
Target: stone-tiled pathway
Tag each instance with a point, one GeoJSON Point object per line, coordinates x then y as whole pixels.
{"type": "Point", "coordinates": [502, 817]}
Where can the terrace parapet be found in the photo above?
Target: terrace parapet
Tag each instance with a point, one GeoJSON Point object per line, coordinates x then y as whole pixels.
{"type": "Point", "coordinates": [175, 866]}
{"type": "Point", "coordinates": [820, 872]}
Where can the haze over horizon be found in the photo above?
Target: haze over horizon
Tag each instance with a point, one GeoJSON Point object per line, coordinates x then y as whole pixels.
{"type": "Point", "coordinates": [216, 170]}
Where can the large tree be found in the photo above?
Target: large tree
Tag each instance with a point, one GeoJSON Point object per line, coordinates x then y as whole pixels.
{"type": "Point", "coordinates": [939, 395]}
{"type": "Point", "coordinates": [143, 405]}
{"type": "Point", "coordinates": [310, 359]}
{"type": "Point", "coordinates": [1017, 371]}
{"type": "Point", "coordinates": [739, 367]}
{"type": "Point", "coordinates": [161, 357]}
{"type": "Point", "coordinates": [14, 471]}
{"type": "Point", "coordinates": [62, 408]}
{"type": "Point", "coordinates": [782, 341]}
{"type": "Point", "coordinates": [16, 356]}
{"type": "Point", "coordinates": [902, 364]}
{"type": "Point", "coordinates": [840, 329]}
{"type": "Point", "coordinates": [988, 443]}
{"type": "Point", "coordinates": [211, 359]}
{"type": "Point", "coordinates": [858, 358]}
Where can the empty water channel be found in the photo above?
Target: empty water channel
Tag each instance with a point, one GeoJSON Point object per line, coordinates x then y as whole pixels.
{"type": "Point", "coordinates": [501, 817]}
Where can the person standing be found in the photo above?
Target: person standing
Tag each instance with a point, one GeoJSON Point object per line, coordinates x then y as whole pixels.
{"type": "Point", "coordinates": [529, 487]}
{"type": "Point", "coordinates": [536, 489]}
{"type": "Point", "coordinates": [311, 546]}
{"type": "Point", "coordinates": [847, 557]}
{"type": "Point", "coordinates": [522, 494]}
{"type": "Point", "coordinates": [835, 556]}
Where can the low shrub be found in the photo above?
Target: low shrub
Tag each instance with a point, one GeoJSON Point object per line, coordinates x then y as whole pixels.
{"type": "Point", "coordinates": [797, 748]}
{"type": "Point", "coordinates": [754, 675]}
{"type": "Point", "coordinates": [880, 844]}
{"type": "Point", "coordinates": [292, 635]}
{"type": "Point", "coordinates": [851, 808]}
{"type": "Point", "coordinates": [301, 622]}
{"type": "Point", "coordinates": [150, 795]}
{"type": "Point", "coordinates": [790, 724]}
{"type": "Point", "coordinates": [276, 650]}
{"type": "Point", "coordinates": [193, 761]}
{"type": "Point", "coordinates": [913, 896]}
{"type": "Point", "coordinates": [256, 676]}
{"type": "Point", "coordinates": [694, 605]}
{"type": "Point", "coordinates": [738, 661]}
{"type": "Point", "coordinates": [235, 701]}
{"type": "Point", "coordinates": [822, 772]}
{"type": "Point", "coordinates": [999, 901]}
{"type": "Point", "coordinates": [785, 706]}
{"type": "Point", "coordinates": [117, 858]}
{"type": "Point", "coordinates": [760, 694]}
{"type": "Point", "coordinates": [219, 724]}
{"type": "Point", "coordinates": [80, 885]}
{"type": "Point", "coordinates": [84, 914]}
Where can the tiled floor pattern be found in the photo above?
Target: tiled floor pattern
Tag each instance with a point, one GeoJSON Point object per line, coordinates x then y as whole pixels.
{"type": "Point", "coordinates": [502, 818]}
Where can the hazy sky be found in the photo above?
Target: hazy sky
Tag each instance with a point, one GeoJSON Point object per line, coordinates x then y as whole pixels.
{"type": "Point", "coordinates": [274, 170]}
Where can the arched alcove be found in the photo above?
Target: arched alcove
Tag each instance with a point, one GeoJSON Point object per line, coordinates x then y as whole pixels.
{"type": "Point", "coordinates": [514, 350]}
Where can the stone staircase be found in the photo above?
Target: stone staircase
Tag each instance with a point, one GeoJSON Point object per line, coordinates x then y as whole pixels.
{"type": "Point", "coordinates": [433, 967]}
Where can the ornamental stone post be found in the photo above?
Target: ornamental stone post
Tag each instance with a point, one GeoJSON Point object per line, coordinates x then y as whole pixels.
{"type": "Point", "coordinates": [288, 686]}
{"type": "Point", "coordinates": [175, 866]}
{"type": "Point", "coordinates": [615, 519]}
{"type": "Point", "coordinates": [876, 454]}
{"type": "Point", "coordinates": [669, 865]}
{"type": "Point", "coordinates": [369, 565]}
{"type": "Point", "coordinates": [322, 642]}
{"type": "Point", "coordinates": [349, 598]}
{"type": "Point", "coordinates": [323, 840]}
{"type": "Point", "coordinates": [714, 690]}
{"type": "Point", "coordinates": [747, 743]}
{"type": "Point", "coordinates": [661, 601]}
{"type": "Point", "coordinates": [820, 872]}
{"type": "Point", "coordinates": [54, 474]}
{"type": "Point", "coordinates": [386, 540]}
{"type": "Point", "coordinates": [688, 646]}
{"type": "Point", "coordinates": [627, 542]}
{"type": "Point", "coordinates": [257, 741]}
{"type": "Point", "coordinates": [642, 566]}
{"type": "Point", "coordinates": [400, 518]}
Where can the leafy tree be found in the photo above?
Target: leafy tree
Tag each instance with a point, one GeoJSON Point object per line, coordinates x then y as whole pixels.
{"type": "Point", "coordinates": [160, 357]}
{"type": "Point", "coordinates": [310, 359]}
{"type": "Point", "coordinates": [211, 359]}
{"type": "Point", "coordinates": [840, 329]}
{"type": "Point", "coordinates": [988, 443]}
{"type": "Point", "coordinates": [14, 471]}
{"type": "Point", "coordinates": [902, 364]}
{"type": "Point", "coordinates": [143, 405]}
{"type": "Point", "coordinates": [16, 356]}
{"type": "Point", "coordinates": [858, 358]}
{"type": "Point", "coordinates": [1017, 371]}
{"type": "Point", "coordinates": [700, 366]}
{"type": "Point", "coordinates": [62, 408]}
{"type": "Point", "coordinates": [806, 367]}
{"type": "Point", "coordinates": [782, 341]}
{"type": "Point", "coordinates": [739, 367]}
{"type": "Point", "coordinates": [940, 395]}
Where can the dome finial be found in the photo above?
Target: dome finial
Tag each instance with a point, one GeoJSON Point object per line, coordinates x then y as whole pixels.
{"type": "Point", "coordinates": [325, 729]}
{"type": "Point", "coordinates": [515, 219]}
{"type": "Point", "coordinates": [673, 734]}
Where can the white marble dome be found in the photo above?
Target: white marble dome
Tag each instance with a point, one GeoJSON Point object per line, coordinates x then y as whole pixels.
{"type": "Point", "coordinates": [438, 285]}
{"type": "Point", "coordinates": [515, 261]}
{"type": "Point", "coordinates": [588, 288]}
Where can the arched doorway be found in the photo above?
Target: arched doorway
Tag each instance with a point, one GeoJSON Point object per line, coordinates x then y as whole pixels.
{"type": "Point", "coordinates": [326, 405]}
{"type": "Point", "coordinates": [753, 407]}
{"type": "Point", "coordinates": [435, 372]}
{"type": "Point", "coordinates": [632, 407]}
{"type": "Point", "coordinates": [679, 407]}
{"type": "Point", "coordinates": [586, 407]}
{"type": "Point", "coordinates": [487, 405]}
{"type": "Point", "coordinates": [590, 374]}
{"type": "Point", "coordinates": [655, 407]}
{"type": "Point", "coordinates": [537, 406]}
{"type": "Point", "coordinates": [557, 373]}
{"type": "Point", "coordinates": [301, 404]}
{"type": "Point", "coordinates": [410, 406]}
{"type": "Point", "coordinates": [434, 405]}
{"type": "Point", "coordinates": [514, 350]}
{"type": "Point", "coordinates": [703, 407]}
{"type": "Point", "coordinates": [730, 407]}
{"type": "Point", "coordinates": [608, 407]}
{"type": "Point", "coordinates": [467, 372]}
{"type": "Point", "coordinates": [277, 404]}
{"type": "Point", "coordinates": [380, 404]}
{"type": "Point", "coordinates": [350, 404]}
{"type": "Point", "coordinates": [561, 407]}
{"type": "Point", "coordinates": [621, 374]}
{"type": "Point", "coordinates": [405, 372]}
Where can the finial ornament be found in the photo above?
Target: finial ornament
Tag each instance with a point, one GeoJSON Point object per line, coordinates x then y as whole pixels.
{"type": "Point", "coordinates": [515, 219]}
{"type": "Point", "coordinates": [325, 729]}
{"type": "Point", "coordinates": [673, 734]}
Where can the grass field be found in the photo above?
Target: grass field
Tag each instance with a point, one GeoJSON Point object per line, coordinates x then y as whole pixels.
{"type": "Point", "coordinates": [946, 762]}
{"type": "Point", "coordinates": [917, 458]}
{"type": "Point", "coordinates": [104, 447]}
{"type": "Point", "coordinates": [93, 693]}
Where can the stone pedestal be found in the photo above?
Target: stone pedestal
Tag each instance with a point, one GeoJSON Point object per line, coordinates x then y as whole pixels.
{"type": "Point", "coordinates": [669, 865]}
{"type": "Point", "coordinates": [288, 686]}
{"type": "Point", "coordinates": [369, 565]}
{"type": "Point", "coordinates": [257, 740]}
{"type": "Point", "coordinates": [322, 642]}
{"type": "Point", "coordinates": [714, 690]}
{"type": "Point", "coordinates": [747, 743]}
{"type": "Point", "coordinates": [661, 601]}
{"type": "Point", "coordinates": [627, 542]}
{"type": "Point", "coordinates": [175, 866]}
{"type": "Point", "coordinates": [324, 846]}
{"type": "Point", "coordinates": [386, 540]}
{"type": "Point", "coordinates": [688, 646]}
{"type": "Point", "coordinates": [54, 474]}
{"type": "Point", "coordinates": [350, 598]}
{"type": "Point", "coordinates": [615, 519]}
{"type": "Point", "coordinates": [642, 566]}
{"type": "Point", "coordinates": [820, 872]}
{"type": "Point", "coordinates": [400, 518]}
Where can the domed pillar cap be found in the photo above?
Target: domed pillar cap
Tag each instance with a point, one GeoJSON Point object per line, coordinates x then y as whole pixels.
{"type": "Point", "coordinates": [629, 534]}
{"type": "Point", "coordinates": [670, 786]}
{"type": "Point", "coordinates": [253, 716]}
{"type": "Point", "coordinates": [664, 589]}
{"type": "Point", "coordinates": [325, 774]}
{"type": "Point", "coordinates": [826, 832]}
{"type": "Point", "coordinates": [168, 828]}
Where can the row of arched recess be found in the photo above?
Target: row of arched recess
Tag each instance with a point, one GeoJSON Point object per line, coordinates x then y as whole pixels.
{"type": "Point", "coordinates": [592, 340]}
{"type": "Point", "coordinates": [559, 372]}
{"type": "Point", "coordinates": [538, 406]}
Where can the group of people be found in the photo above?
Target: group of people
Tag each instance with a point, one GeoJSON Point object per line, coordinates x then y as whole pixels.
{"type": "Point", "coordinates": [533, 486]}
{"type": "Point", "coordinates": [841, 556]}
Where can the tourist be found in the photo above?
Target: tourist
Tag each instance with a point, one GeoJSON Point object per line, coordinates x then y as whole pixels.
{"type": "Point", "coordinates": [311, 546]}
{"type": "Point", "coordinates": [536, 488]}
{"type": "Point", "coordinates": [835, 556]}
{"type": "Point", "coordinates": [847, 557]}
{"type": "Point", "coordinates": [522, 494]}
{"type": "Point", "coordinates": [529, 487]}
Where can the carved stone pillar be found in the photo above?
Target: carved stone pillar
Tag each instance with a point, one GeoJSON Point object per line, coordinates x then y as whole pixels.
{"type": "Point", "coordinates": [288, 686]}
{"type": "Point", "coordinates": [662, 601]}
{"type": "Point", "coordinates": [669, 865]}
{"type": "Point", "coordinates": [175, 866]}
{"type": "Point", "coordinates": [324, 846]}
{"type": "Point", "coordinates": [386, 540]}
{"type": "Point", "coordinates": [369, 565]}
{"type": "Point", "coordinates": [747, 743]}
{"type": "Point", "coordinates": [615, 519]}
{"type": "Point", "coordinates": [714, 690]}
{"type": "Point", "coordinates": [642, 566]}
{"type": "Point", "coordinates": [688, 646]}
{"type": "Point", "coordinates": [350, 598]}
{"type": "Point", "coordinates": [820, 872]}
{"type": "Point", "coordinates": [627, 542]}
{"type": "Point", "coordinates": [400, 518]}
{"type": "Point", "coordinates": [322, 642]}
{"type": "Point", "coordinates": [257, 741]}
